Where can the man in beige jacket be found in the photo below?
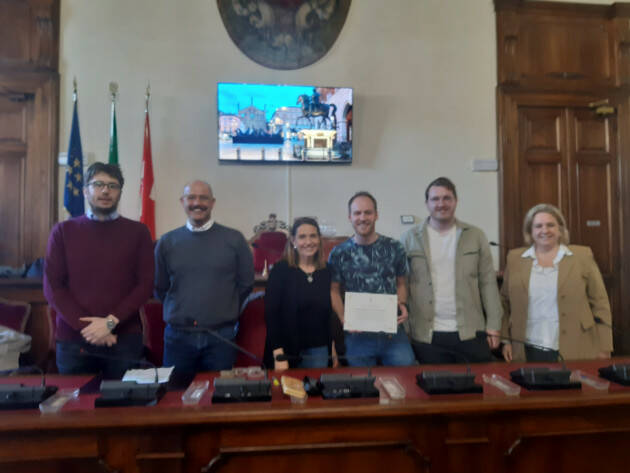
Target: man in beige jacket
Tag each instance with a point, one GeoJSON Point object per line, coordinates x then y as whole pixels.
{"type": "Point", "coordinates": [453, 291]}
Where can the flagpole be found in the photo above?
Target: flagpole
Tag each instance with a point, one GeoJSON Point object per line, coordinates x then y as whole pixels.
{"type": "Point", "coordinates": [147, 211]}
{"type": "Point", "coordinates": [147, 98]}
{"type": "Point", "coordinates": [113, 90]}
{"type": "Point", "coordinates": [113, 133]}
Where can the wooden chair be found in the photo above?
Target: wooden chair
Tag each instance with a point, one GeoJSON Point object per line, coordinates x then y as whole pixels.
{"type": "Point", "coordinates": [252, 330]}
{"type": "Point", "coordinates": [14, 314]}
{"type": "Point", "coordinates": [51, 358]}
{"type": "Point", "coordinates": [270, 238]}
{"type": "Point", "coordinates": [153, 331]}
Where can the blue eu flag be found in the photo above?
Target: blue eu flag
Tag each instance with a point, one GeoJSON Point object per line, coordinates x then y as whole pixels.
{"type": "Point", "coordinates": [73, 192]}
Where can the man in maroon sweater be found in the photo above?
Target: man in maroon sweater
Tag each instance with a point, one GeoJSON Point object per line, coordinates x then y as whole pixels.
{"type": "Point", "coordinates": [98, 273]}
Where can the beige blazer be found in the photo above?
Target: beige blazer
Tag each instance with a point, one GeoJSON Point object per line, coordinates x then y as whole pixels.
{"type": "Point", "coordinates": [581, 295]}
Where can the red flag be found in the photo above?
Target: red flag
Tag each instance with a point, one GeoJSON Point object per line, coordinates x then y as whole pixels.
{"type": "Point", "coordinates": [147, 215]}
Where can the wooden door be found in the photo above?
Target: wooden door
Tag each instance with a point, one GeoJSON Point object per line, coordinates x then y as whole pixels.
{"type": "Point", "coordinates": [558, 150]}
{"type": "Point", "coordinates": [28, 148]}
{"type": "Point", "coordinates": [13, 136]}
{"type": "Point", "coordinates": [29, 97]}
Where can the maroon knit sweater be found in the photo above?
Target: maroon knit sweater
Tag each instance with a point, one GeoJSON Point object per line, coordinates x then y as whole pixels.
{"type": "Point", "coordinates": [98, 268]}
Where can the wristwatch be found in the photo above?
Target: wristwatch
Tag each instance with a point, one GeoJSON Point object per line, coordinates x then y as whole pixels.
{"type": "Point", "coordinates": [111, 324]}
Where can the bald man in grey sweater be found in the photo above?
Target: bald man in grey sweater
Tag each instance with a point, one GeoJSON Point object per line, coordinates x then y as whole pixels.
{"type": "Point", "coordinates": [203, 272]}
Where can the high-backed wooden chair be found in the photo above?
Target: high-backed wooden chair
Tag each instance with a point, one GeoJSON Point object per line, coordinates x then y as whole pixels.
{"type": "Point", "coordinates": [153, 331]}
{"type": "Point", "coordinates": [270, 238]}
{"type": "Point", "coordinates": [252, 330]}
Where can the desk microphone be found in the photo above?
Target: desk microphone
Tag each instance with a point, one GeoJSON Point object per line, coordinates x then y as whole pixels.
{"type": "Point", "coordinates": [115, 393]}
{"type": "Point", "coordinates": [18, 396]}
{"type": "Point", "coordinates": [446, 381]}
{"type": "Point", "coordinates": [232, 390]}
{"type": "Point", "coordinates": [618, 373]}
{"type": "Point", "coordinates": [541, 378]}
{"type": "Point", "coordinates": [337, 385]}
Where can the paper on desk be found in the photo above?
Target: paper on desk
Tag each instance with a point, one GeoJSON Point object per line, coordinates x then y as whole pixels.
{"type": "Point", "coordinates": [148, 376]}
{"type": "Point", "coordinates": [368, 312]}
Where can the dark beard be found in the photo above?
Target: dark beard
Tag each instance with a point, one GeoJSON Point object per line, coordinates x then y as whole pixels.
{"type": "Point", "coordinates": [104, 212]}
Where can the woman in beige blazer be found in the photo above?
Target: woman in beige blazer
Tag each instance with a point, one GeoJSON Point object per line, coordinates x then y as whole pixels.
{"type": "Point", "coordinates": [552, 292]}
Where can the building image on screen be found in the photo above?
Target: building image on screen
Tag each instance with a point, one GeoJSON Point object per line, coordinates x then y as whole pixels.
{"type": "Point", "coordinates": [260, 123]}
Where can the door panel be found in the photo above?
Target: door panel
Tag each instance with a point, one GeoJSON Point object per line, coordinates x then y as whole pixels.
{"type": "Point", "coordinates": [593, 223]}
{"type": "Point", "coordinates": [541, 157]}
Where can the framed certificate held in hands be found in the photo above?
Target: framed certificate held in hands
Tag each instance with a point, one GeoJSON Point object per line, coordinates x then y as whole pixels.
{"type": "Point", "coordinates": [366, 312]}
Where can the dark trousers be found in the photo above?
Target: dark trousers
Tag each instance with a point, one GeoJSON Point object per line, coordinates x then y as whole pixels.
{"type": "Point", "coordinates": [446, 347]}
{"type": "Point", "coordinates": [74, 357]}
{"type": "Point", "coordinates": [536, 355]}
{"type": "Point", "coordinates": [192, 351]}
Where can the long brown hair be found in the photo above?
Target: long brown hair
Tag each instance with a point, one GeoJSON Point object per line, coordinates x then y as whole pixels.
{"type": "Point", "coordinates": [290, 252]}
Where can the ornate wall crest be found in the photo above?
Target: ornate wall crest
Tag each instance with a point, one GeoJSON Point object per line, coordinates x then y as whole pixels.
{"type": "Point", "coordinates": [284, 34]}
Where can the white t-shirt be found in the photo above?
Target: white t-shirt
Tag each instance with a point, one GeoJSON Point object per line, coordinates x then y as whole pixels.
{"type": "Point", "coordinates": [442, 250]}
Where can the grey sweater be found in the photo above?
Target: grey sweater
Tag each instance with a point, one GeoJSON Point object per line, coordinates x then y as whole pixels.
{"type": "Point", "coordinates": [201, 277]}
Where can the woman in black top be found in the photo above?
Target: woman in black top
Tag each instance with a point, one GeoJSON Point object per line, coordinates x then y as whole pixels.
{"type": "Point", "coordinates": [297, 301]}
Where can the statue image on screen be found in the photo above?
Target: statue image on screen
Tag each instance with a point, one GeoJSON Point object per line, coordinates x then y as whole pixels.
{"type": "Point", "coordinates": [260, 123]}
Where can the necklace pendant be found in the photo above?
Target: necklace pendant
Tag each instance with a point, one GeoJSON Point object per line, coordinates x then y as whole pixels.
{"type": "Point", "coordinates": [309, 278]}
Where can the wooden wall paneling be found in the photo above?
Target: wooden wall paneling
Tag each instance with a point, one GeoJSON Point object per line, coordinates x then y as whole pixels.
{"type": "Point", "coordinates": [12, 176]}
{"type": "Point", "coordinates": [41, 185]}
{"type": "Point", "coordinates": [620, 16]}
{"type": "Point", "coordinates": [29, 34]}
{"type": "Point", "coordinates": [507, 41]}
{"type": "Point", "coordinates": [507, 120]}
{"type": "Point", "coordinates": [621, 214]}
{"type": "Point", "coordinates": [14, 43]}
{"type": "Point", "coordinates": [569, 53]}
{"type": "Point", "coordinates": [556, 47]}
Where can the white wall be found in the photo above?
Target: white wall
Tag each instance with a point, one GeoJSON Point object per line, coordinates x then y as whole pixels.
{"type": "Point", "coordinates": [423, 73]}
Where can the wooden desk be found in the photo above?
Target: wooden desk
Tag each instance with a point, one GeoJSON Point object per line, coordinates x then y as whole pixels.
{"type": "Point", "coordinates": [577, 431]}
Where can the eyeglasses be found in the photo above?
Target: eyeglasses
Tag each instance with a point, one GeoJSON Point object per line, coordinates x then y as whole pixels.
{"type": "Point", "coordinates": [99, 185]}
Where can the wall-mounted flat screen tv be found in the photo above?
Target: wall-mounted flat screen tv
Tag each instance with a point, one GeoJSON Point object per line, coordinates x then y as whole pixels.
{"type": "Point", "coordinates": [284, 124]}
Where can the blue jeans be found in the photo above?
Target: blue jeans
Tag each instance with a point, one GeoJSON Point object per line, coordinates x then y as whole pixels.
{"type": "Point", "coordinates": [315, 357]}
{"type": "Point", "coordinates": [194, 351]}
{"type": "Point", "coordinates": [370, 348]}
{"type": "Point", "coordinates": [74, 358]}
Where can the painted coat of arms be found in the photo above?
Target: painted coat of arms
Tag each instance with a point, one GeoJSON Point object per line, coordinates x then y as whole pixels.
{"type": "Point", "coordinates": [284, 34]}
